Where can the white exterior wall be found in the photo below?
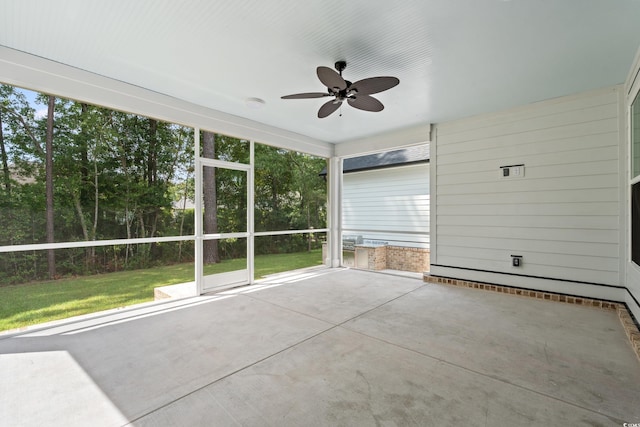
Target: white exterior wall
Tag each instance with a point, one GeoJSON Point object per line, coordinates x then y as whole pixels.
{"type": "Point", "coordinates": [632, 270]}
{"type": "Point", "coordinates": [393, 199]}
{"type": "Point", "coordinates": [563, 216]}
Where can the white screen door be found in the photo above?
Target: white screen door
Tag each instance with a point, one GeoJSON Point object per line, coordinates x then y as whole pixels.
{"type": "Point", "coordinates": [223, 228]}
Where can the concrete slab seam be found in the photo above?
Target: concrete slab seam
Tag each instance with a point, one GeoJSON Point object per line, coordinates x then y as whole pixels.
{"type": "Point", "coordinates": [490, 377]}
{"type": "Point", "coordinates": [230, 374]}
{"type": "Point", "coordinates": [327, 321]}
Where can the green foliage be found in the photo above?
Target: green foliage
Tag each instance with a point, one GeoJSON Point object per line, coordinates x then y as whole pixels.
{"type": "Point", "coordinates": [118, 175]}
{"type": "Point", "coordinates": [290, 195]}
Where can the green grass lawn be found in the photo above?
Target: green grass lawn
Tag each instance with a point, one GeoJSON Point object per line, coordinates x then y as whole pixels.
{"type": "Point", "coordinates": [29, 304]}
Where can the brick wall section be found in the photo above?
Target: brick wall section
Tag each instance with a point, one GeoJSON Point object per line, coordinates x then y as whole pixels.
{"type": "Point", "coordinates": [377, 258]}
{"type": "Point", "coordinates": [394, 258]}
{"type": "Point", "coordinates": [630, 327]}
{"type": "Point", "coordinates": [407, 259]}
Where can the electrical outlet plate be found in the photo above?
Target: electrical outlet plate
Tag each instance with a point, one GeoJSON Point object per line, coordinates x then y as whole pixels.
{"type": "Point", "coordinates": [513, 171]}
{"type": "Point", "coordinates": [516, 260]}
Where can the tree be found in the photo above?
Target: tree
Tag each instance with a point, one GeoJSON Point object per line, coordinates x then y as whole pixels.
{"type": "Point", "coordinates": [311, 192]}
{"type": "Point", "coordinates": [113, 178]}
{"type": "Point", "coordinates": [211, 254]}
{"type": "Point", "coordinates": [90, 173]}
{"type": "Point", "coordinates": [13, 110]}
{"type": "Point", "coordinates": [6, 173]}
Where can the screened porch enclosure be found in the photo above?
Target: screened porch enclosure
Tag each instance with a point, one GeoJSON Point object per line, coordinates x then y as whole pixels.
{"type": "Point", "coordinates": [156, 148]}
{"type": "Point", "coordinates": [125, 190]}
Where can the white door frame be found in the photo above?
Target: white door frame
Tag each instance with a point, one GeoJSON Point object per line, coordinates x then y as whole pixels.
{"type": "Point", "coordinates": [239, 277]}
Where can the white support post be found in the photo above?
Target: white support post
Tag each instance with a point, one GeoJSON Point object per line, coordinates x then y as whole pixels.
{"type": "Point", "coordinates": [251, 214]}
{"type": "Point", "coordinates": [199, 230]}
{"type": "Point", "coordinates": [334, 169]}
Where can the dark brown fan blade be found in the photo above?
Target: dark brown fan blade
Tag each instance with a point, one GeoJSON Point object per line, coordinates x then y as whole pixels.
{"type": "Point", "coordinates": [331, 79]}
{"type": "Point", "coordinates": [306, 95]}
{"type": "Point", "coordinates": [328, 108]}
{"type": "Point", "coordinates": [366, 103]}
{"type": "Point", "coordinates": [374, 85]}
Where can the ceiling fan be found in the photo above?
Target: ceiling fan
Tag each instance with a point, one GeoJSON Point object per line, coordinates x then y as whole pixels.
{"type": "Point", "coordinates": [356, 94]}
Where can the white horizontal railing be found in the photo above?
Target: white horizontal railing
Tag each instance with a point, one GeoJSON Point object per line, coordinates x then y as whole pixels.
{"type": "Point", "coordinates": [276, 233]}
{"type": "Point", "coordinates": [115, 242]}
{"type": "Point", "coordinates": [404, 237]}
{"type": "Point", "coordinates": [92, 243]}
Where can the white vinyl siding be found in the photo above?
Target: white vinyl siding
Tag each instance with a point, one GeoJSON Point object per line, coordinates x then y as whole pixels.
{"type": "Point", "coordinates": [633, 163]}
{"type": "Point", "coordinates": [390, 205]}
{"type": "Point", "coordinates": [563, 216]}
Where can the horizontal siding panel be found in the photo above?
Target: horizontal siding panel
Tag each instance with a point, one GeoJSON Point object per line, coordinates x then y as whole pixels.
{"type": "Point", "coordinates": [408, 223]}
{"type": "Point", "coordinates": [538, 109]}
{"type": "Point", "coordinates": [397, 206]}
{"type": "Point", "coordinates": [533, 143]}
{"type": "Point", "coordinates": [381, 201]}
{"type": "Point", "coordinates": [600, 166]}
{"type": "Point", "coordinates": [562, 215]}
{"type": "Point", "coordinates": [387, 235]}
{"type": "Point", "coordinates": [604, 151]}
{"type": "Point", "coordinates": [535, 158]}
{"type": "Point", "coordinates": [516, 246]}
{"type": "Point", "coordinates": [527, 233]}
{"type": "Point", "coordinates": [581, 195]}
{"type": "Point", "coordinates": [550, 272]}
{"type": "Point", "coordinates": [390, 225]}
{"type": "Point", "coordinates": [409, 240]}
{"type": "Point", "coordinates": [410, 211]}
{"type": "Point", "coordinates": [582, 262]}
{"type": "Point", "coordinates": [533, 172]}
{"type": "Point", "coordinates": [383, 229]}
{"type": "Point", "coordinates": [387, 190]}
{"type": "Point", "coordinates": [565, 221]}
{"type": "Point", "coordinates": [594, 129]}
{"type": "Point", "coordinates": [366, 206]}
{"type": "Point", "coordinates": [534, 124]}
{"type": "Point", "coordinates": [538, 158]}
{"type": "Point", "coordinates": [385, 198]}
{"type": "Point", "coordinates": [358, 215]}
{"type": "Point", "coordinates": [529, 145]}
{"type": "Point", "coordinates": [363, 181]}
{"type": "Point", "coordinates": [554, 209]}
{"type": "Point", "coordinates": [533, 185]}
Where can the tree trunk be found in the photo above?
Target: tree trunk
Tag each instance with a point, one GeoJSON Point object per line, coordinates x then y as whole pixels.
{"type": "Point", "coordinates": [6, 173]}
{"type": "Point", "coordinates": [80, 212]}
{"type": "Point", "coordinates": [51, 255]}
{"type": "Point", "coordinates": [184, 208]}
{"type": "Point", "coordinates": [96, 198]}
{"type": "Point", "coordinates": [84, 153]}
{"type": "Point", "coordinates": [152, 155]}
{"type": "Point", "coordinates": [211, 254]}
{"type": "Point", "coordinates": [152, 180]}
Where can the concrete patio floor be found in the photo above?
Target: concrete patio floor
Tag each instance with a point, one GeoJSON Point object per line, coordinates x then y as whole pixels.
{"type": "Point", "coordinates": [334, 347]}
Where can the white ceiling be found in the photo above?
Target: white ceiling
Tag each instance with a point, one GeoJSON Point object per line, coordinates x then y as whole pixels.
{"type": "Point", "coordinates": [453, 58]}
